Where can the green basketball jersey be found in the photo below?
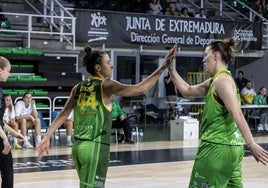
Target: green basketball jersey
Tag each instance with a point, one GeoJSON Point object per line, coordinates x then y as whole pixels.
{"type": "Point", "coordinates": [92, 118]}
{"type": "Point", "coordinates": [217, 125]}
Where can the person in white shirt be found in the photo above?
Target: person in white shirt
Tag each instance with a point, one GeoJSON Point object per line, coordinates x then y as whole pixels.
{"type": "Point", "coordinates": [248, 93]}
{"type": "Point", "coordinates": [9, 119]}
{"type": "Point", "coordinates": [155, 7]}
{"type": "Point", "coordinates": [201, 14]}
{"type": "Point", "coordinates": [26, 116]}
{"type": "Point", "coordinates": [184, 12]}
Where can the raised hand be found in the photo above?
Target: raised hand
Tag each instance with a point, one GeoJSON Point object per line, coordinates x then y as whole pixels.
{"type": "Point", "coordinates": [170, 56]}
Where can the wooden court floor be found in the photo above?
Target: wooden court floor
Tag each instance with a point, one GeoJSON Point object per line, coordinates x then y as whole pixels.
{"type": "Point", "coordinates": [142, 165]}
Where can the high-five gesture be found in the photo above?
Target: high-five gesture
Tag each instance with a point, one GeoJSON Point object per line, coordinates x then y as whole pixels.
{"type": "Point", "coordinates": [170, 56]}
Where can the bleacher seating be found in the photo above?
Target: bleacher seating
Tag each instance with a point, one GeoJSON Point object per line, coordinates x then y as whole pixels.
{"type": "Point", "coordinates": [32, 71]}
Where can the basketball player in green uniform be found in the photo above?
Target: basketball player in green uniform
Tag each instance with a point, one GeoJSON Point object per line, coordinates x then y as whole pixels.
{"type": "Point", "coordinates": [92, 103]}
{"type": "Point", "coordinates": [219, 159]}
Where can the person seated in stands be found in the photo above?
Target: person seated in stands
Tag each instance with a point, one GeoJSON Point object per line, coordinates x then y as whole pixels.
{"type": "Point", "coordinates": [155, 7]}
{"type": "Point", "coordinates": [119, 121]}
{"type": "Point", "coordinates": [4, 22]}
{"type": "Point", "coordinates": [257, 6]}
{"type": "Point", "coordinates": [260, 99]}
{"type": "Point", "coordinates": [201, 14]}
{"type": "Point", "coordinates": [9, 119]}
{"type": "Point", "coordinates": [247, 93]}
{"type": "Point", "coordinates": [171, 11]}
{"type": "Point", "coordinates": [68, 125]}
{"type": "Point", "coordinates": [241, 81]}
{"type": "Point", "coordinates": [179, 5]}
{"type": "Point", "coordinates": [26, 116]}
{"type": "Point", "coordinates": [165, 4]}
{"type": "Point", "coordinates": [151, 114]}
{"type": "Point", "coordinates": [184, 12]}
{"type": "Point", "coordinates": [171, 95]}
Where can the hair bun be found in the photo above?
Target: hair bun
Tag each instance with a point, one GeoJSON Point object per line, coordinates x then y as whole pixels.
{"type": "Point", "coordinates": [88, 50]}
{"type": "Point", "coordinates": [229, 42]}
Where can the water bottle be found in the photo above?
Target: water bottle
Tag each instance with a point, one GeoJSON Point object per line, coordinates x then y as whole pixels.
{"type": "Point", "coordinates": [141, 135]}
{"type": "Point", "coordinates": [133, 135]}
{"type": "Point", "coordinates": [10, 138]}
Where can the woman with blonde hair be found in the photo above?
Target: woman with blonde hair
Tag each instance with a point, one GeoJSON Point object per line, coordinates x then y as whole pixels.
{"type": "Point", "coordinates": [9, 119]}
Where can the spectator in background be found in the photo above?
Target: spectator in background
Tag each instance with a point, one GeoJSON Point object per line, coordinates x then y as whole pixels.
{"type": "Point", "coordinates": [179, 5]}
{"type": "Point", "coordinates": [171, 11]}
{"type": "Point", "coordinates": [254, 4]}
{"type": "Point", "coordinates": [171, 95]}
{"type": "Point", "coordinates": [184, 12]}
{"type": "Point", "coordinates": [248, 93]}
{"type": "Point", "coordinates": [9, 119]}
{"type": "Point", "coordinates": [119, 121]}
{"type": "Point", "coordinates": [261, 10]}
{"type": "Point", "coordinates": [4, 22]}
{"type": "Point", "coordinates": [155, 7]}
{"type": "Point", "coordinates": [241, 81]}
{"type": "Point", "coordinates": [260, 99]}
{"type": "Point", "coordinates": [68, 125]}
{"type": "Point", "coordinates": [257, 6]}
{"type": "Point", "coordinates": [165, 4]}
{"type": "Point", "coordinates": [262, 4]}
{"type": "Point", "coordinates": [201, 14]}
{"type": "Point", "coordinates": [26, 116]}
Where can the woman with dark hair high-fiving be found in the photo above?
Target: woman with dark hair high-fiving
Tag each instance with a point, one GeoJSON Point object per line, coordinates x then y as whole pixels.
{"type": "Point", "coordinates": [92, 103]}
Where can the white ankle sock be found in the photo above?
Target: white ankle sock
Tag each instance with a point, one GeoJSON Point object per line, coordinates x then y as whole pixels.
{"type": "Point", "coordinates": [69, 138]}
{"type": "Point", "coordinates": [38, 138]}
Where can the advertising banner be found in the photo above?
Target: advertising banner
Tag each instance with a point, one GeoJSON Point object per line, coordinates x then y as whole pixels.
{"type": "Point", "coordinates": [106, 27]}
